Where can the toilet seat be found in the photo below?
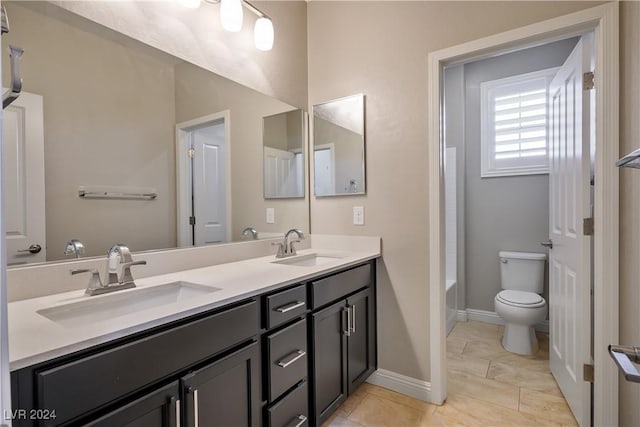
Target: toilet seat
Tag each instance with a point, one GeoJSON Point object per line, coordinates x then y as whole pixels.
{"type": "Point", "coordinates": [520, 299]}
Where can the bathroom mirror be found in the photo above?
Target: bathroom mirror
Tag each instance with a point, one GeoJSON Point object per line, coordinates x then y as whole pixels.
{"type": "Point", "coordinates": [284, 143]}
{"type": "Point", "coordinates": [128, 131]}
{"type": "Point", "coordinates": [338, 147]}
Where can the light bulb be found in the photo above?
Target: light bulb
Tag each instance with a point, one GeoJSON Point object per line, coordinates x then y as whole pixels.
{"type": "Point", "coordinates": [263, 34]}
{"type": "Point", "coordinates": [190, 4]}
{"type": "Point", "coordinates": [231, 15]}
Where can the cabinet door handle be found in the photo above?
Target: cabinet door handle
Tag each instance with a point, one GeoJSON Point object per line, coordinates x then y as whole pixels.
{"type": "Point", "coordinates": [347, 331]}
{"type": "Point", "coordinates": [353, 319]}
{"type": "Point", "coordinates": [291, 306]}
{"type": "Point", "coordinates": [290, 358]}
{"type": "Point", "coordinates": [196, 422]}
{"type": "Point", "coordinates": [297, 421]}
{"type": "Point", "coordinates": [177, 412]}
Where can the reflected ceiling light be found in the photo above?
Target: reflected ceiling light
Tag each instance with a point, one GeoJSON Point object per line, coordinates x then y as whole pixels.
{"type": "Point", "coordinates": [190, 4]}
{"type": "Point", "coordinates": [263, 33]}
{"type": "Point", "coordinates": [231, 15]}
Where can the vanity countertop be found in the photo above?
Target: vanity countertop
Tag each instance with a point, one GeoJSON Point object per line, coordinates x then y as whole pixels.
{"type": "Point", "coordinates": [34, 338]}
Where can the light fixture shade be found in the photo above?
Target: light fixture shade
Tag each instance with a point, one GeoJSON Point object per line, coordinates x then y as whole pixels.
{"type": "Point", "coordinates": [231, 15]}
{"type": "Point", "coordinates": [263, 34]}
{"type": "Point", "coordinates": [190, 4]}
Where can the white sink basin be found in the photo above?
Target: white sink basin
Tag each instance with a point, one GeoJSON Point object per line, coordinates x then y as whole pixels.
{"type": "Point", "coordinates": [105, 307]}
{"type": "Point", "coordinates": [308, 260]}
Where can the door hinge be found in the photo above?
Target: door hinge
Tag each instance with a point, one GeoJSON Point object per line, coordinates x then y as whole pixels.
{"type": "Point", "coordinates": [588, 80]}
{"type": "Point", "coordinates": [587, 373]}
{"type": "Point", "coordinates": [191, 153]}
{"type": "Point", "coordinates": [587, 226]}
{"type": "Point", "coordinates": [192, 220]}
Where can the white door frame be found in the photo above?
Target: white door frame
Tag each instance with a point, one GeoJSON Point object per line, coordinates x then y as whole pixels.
{"type": "Point", "coordinates": [603, 21]}
{"type": "Point", "coordinates": [183, 190]}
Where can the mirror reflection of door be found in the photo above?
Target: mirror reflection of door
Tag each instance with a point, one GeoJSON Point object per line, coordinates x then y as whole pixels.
{"type": "Point", "coordinates": [23, 152]}
{"type": "Point", "coordinates": [283, 159]}
{"type": "Point", "coordinates": [203, 181]}
{"type": "Point", "coordinates": [323, 166]}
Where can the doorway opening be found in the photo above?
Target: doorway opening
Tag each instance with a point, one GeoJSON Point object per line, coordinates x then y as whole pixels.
{"type": "Point", "coordinates": [203, 180]}
{"type": "Point", "coordinates": [499, 118]}
{"type": "Point", "coordinates": [602, 21]}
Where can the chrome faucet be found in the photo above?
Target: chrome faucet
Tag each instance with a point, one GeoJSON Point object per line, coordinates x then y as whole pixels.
{"type": "Point", "coordinates": [118, 254]}
{"type": "Point", "coordinates": [286, 248]}
{"type": "Point", "coordinates": [74, 247]}
{"type": "Point", "coordinates": [252, 231]}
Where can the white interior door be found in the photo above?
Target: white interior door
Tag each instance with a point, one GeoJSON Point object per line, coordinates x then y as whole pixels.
{"type": "Point", "coordinates": [569, 259]}
{"type": "Point", "coordinates": [209, 183]}
{"type": "Point", "coordinates": [23, 150]}
{"type": "Point", "coordinates": [324, 170]}
{"type": "Point", "coordinates": [280, 173]}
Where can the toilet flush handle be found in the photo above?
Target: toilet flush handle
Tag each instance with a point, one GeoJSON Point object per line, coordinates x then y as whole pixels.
{"type": "Point", "coordinates": [547, 244]}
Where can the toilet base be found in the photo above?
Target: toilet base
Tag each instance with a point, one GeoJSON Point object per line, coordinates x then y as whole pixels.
{"type": "Point", "coordinates": [520, 339]}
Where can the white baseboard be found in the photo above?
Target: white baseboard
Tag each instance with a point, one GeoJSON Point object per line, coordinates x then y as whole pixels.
{"type": "Point", "coordinates": [415, 388]}
{"type": "Point", "coordinates": [461, 316]}
{"type": "Point", "coordinates": [492, 317]}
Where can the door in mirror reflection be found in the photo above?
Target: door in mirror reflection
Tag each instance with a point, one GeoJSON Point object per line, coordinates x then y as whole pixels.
{"type": "Point", "coordinates": [338, 147]}
{"type": "Point", "coordinates": [283, 137]}
{"type": "Point", "coordinates": [203, 181]}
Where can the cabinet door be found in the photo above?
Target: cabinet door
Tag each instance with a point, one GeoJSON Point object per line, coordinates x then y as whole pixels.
{"type": "Point", "coordinates": [361, 342]}
{"type": "Point", "coordinates": [159, 408]}
{"type": "Point", "coordinates": [329, 328]}
{"type": "Point", "coordinates": [226, 392]}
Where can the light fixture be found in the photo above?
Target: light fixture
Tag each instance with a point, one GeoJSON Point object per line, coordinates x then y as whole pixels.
{"type": "Point", "coordinates": [231, 20]}
{"type": "Point", "coordinates": [189, 4]}
{"type": "Point", "coordinates": [263, 33]}
{"type": "Point", "coordinates": [231, 15]}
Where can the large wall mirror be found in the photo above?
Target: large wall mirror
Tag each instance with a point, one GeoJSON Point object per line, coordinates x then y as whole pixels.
{"type": "Point", "coordinates": [338, 147]}
{"type": "Point", "coordinates": [136, 146]}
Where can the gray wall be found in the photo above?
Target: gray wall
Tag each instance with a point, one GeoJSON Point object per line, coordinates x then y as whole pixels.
{"type": "Point", "coordinates": [506, 213]}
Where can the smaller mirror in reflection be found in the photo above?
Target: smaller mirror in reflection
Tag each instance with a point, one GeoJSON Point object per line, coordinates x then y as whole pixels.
{"type": "Point", "coordinates": [338, 147]}
{"type": "Point", "coordinates": [283, 137]}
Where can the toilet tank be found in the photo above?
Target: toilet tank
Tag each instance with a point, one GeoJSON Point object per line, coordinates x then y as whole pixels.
{"type": "Point", "coordinates": [522, 271]}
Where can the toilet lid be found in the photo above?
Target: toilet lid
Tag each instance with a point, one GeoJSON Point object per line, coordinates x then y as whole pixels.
{"type": "Point", "coordinates": [521, 297]}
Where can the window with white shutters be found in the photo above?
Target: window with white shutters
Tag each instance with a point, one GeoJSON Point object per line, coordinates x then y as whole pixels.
{"type": "Point", "coordinates": [514, 124]}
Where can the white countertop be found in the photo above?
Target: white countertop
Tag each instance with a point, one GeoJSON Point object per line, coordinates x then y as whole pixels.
{"type": "Point", "coordinates": [34, 338]}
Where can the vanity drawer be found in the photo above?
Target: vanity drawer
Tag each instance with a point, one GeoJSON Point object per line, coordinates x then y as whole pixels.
{"type": "Point", "coordinates": [287, 353]}
{"type": "Point", "coordinates": [337, 286]}
{"type": "Point", "coordinates": [292, 410]}
{"type": "Point", "coordinates": [80, 386]}
{"type": "Point", "coordinates": [286, 305]}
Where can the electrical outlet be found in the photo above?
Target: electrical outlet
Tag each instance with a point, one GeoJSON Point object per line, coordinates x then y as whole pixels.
{"type": "Point", "coordinates": [358, 215]}
{"type": "Point", "coordinates": [271, 216]}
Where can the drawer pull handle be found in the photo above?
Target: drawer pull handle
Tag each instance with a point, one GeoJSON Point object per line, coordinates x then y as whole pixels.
{"type": "Point", "coordinates": [297, 421]}
{"type": "Point", "coordinates": [291, 306]}
{"type": "Point", "coordinates": [290, 358]}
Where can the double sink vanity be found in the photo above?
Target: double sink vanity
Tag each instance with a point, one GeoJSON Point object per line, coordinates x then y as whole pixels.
{"type": "Point", "coordinates": [262, 341]}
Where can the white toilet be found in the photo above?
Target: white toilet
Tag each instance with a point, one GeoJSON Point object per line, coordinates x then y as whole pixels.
{"type": "Point", "coordinates": [520, 304]}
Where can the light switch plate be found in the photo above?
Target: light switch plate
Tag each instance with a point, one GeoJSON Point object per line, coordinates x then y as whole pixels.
{"type": "Point", "coordinates": [358, 215]}
{"type": "Point", "coordinates": [271, 216]}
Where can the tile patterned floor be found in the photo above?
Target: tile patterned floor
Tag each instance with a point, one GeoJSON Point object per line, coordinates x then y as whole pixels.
{"type": "Point", "coordinates": [488, 386]}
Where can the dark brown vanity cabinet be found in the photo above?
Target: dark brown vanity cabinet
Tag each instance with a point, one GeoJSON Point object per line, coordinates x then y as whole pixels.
{"type": "Point", "coordinates": [344, 340]}
{"type": "Point", "coordinates": [225, 392]}
{"type": "Point", "coordinates": [287, 357]}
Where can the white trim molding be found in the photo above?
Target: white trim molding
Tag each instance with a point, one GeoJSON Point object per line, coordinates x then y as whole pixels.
{"type": "Point", "coordinates": [462, 316]}
{"type": "Point", "coordinates": [413, 387]}
{"type": "Point", "coordinates": [602, 20]}
{"type": "Point", "coordinates": [493, 318]}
